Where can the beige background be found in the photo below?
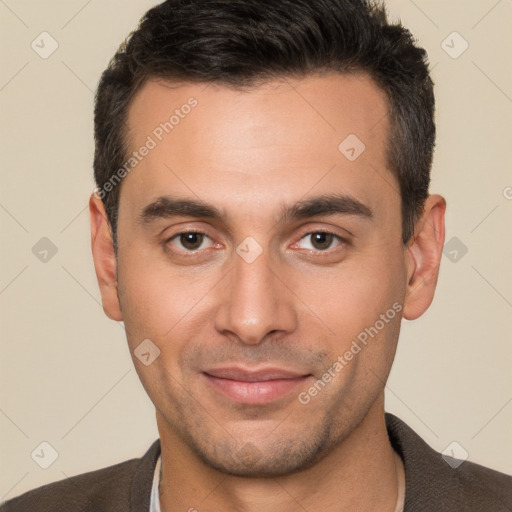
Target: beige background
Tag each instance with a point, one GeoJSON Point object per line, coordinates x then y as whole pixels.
{"type": "Point", "coordinates": [66, 374]}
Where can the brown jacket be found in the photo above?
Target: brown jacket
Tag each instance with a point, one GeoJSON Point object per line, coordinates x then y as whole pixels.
{"type": "Point", "coordinates": [432, 485]}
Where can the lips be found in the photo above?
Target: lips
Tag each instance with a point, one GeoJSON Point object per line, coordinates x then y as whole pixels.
{"type": "Point", "coordinates": [254, 387]}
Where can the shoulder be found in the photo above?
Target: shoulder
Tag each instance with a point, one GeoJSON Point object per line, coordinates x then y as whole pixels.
{"type": "Point", "coordinates": [435, 481]}
{"type": "Point", "coordinates": [485, 487]}
{"type": "Point", "coordinates": [109, 489]}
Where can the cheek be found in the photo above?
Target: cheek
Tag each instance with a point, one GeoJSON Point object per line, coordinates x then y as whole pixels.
{"type": "Point", "coordinates": [164, 307]}
{"type": "Point", "coordinates": [360, 301]}
{"type": "Point", "coordinates": [358, 290]}
{"type": "Point", "coordinates": [154, 300]}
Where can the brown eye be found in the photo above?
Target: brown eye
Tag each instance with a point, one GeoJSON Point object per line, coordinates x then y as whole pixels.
{"type": "Point", "coordinates": [191, 241]}
{"type": "Point", "coordinates": [319, 241]}
{"type": "Point", "coordinates": [188, 241]}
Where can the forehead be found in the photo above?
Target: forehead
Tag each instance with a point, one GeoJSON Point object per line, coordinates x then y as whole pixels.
{"type": "Point", "coordinates": [333, 103]}
{"type": "Point", "coordinates": [279, 139]}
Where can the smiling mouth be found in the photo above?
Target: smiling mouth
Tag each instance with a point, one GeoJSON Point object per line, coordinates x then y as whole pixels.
{"type": "Point", "coordinates": [254, 387]}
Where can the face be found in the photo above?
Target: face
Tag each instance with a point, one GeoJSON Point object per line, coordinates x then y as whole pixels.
{"type": "Point", "coordinates": [260, 251]}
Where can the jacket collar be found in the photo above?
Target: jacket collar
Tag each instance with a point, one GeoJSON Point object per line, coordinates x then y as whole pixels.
{"type": "Point", "coordinates": [140, 491]}
{"type": "Point", "coordinates": [430, 481]}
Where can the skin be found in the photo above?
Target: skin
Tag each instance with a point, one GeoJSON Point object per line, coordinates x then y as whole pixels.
{"type": "Point", "coordinates": [298, 305]}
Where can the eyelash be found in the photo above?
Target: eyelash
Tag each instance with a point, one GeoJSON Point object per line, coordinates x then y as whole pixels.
{"type": "Point", "coordinates": [340, 239]}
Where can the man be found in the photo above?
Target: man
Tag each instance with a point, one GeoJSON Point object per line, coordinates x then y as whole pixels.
{"type": "Point", "coordinates": [262, 224]}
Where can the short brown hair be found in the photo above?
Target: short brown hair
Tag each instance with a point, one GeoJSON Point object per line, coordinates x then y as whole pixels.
{"type": "Point", "coordinates": [241, 43]}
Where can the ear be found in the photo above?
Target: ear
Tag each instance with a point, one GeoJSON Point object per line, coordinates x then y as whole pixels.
{"type": "Point", "coordinates": [104, 258]}
{"type": "Point", "coordinates": [423, 258]}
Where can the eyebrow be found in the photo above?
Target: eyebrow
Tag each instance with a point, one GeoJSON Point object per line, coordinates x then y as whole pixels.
{"type": "Point", "coordinates": [331, 204]}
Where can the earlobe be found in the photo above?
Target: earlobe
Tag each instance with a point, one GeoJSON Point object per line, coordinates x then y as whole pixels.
{"type": "Point", "coordinates": [424, 257]}
{"type": "Point", "coordinates": [104, 258]}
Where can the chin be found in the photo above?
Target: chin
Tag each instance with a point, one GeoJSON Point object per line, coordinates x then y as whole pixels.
{"type": "Point", "coordinates": [279, 458]}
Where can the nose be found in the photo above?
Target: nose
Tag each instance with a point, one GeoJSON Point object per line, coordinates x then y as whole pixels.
{"type": "Point", "coordinates": [255, 302]}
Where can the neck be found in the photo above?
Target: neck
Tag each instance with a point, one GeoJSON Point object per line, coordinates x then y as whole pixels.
{"type": "Point", "coordinates": [361, 474]}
